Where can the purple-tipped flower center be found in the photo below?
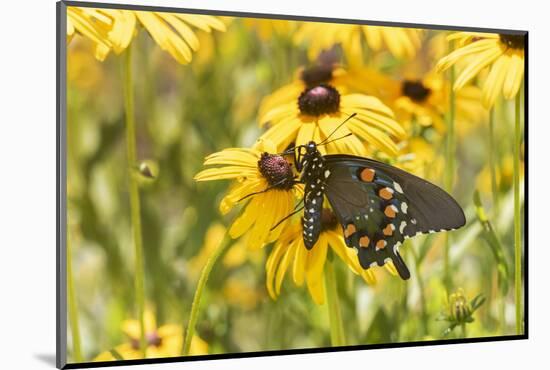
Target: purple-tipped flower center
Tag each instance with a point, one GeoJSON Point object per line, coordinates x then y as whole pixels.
{"type": "Point", "coordinates": [276, 170]}
{"type": "Point", "coordinates": [321, 99]}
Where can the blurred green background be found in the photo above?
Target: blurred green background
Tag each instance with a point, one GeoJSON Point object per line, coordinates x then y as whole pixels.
{"type": "Point", "coordinates": [184, 113]}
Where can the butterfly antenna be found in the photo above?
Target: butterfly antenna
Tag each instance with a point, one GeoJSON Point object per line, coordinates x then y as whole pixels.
{"type": "Point", "coordinates": [337, 128]}
{"type": "Point", "coordinates": [338, 138]}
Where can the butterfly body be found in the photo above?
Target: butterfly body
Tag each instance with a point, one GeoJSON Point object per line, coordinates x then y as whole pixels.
{"type": "Point", "coordinates": [377, 205]}
{"type": "Point", "coordinates": [313, 175]}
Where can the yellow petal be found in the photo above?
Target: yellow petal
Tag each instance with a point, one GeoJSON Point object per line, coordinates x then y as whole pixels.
{"type": "Point", "coordinates": [316, 260]}
{"type": "Point", "coordinates": [283, 266]}
{"type": "Point", "coordinates": [163, 35]}
{"type": "Point", "coordinates": [271, 266]}
{"type": "Point", "coordinates": [305, 133]}
{"type": "Point", "coordinates": [246, 219]}
{"type": "Point", "coordinates": [476, 64]}
{"type": "Point", "coordinates": [514, 77]}
{"type": "Point", "coordinates": [299, 268]}
{"type": "Point", "coordinates": [365, 102]}
{"type": "Point", "coordinates": [374, 137]}
{"type": "Point", "coordinates": [316, 289]}
{"type": "Point", "coordinates": [480, 46]}
{"type": "Point", "coordinates": [183, 29]}
{"type": "Point", "coordinates": [228, 172]}
{"type": "Point", "coordinates": [493, 84]}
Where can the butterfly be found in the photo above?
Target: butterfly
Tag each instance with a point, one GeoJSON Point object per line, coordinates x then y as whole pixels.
{"type": "Point", "coordinates": [376, 204]}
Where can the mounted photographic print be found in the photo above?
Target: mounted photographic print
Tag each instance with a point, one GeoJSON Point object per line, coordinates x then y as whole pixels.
{"type": "Point", "coordinates": [235, 184]}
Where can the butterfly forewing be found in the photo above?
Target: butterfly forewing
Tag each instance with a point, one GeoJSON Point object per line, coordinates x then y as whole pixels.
{"type": "Point", "coordinates": [379, 206]}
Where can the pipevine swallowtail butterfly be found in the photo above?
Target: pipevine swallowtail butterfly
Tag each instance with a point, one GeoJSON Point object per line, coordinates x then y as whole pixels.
{"type": "Point", "coordinates": [376, 204]}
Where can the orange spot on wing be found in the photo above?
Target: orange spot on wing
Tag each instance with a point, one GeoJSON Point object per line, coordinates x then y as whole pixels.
{"type": "Point", "coordinates": [388, 230]}
{"type": "Point", "coordinates": [364, 241]}
{"type": "Point", "coordinates": [390, 211]}
{"type": "Point", "coordinates": [386, 193]}
{"type": "Point", "coordinates": [350, 230]}
{"type": "Point", "coordinates": [367, 174]}
{"type": "Point", "coordinates": [381, 244]}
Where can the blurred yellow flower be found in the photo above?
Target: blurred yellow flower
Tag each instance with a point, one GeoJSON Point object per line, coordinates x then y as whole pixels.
{"type": "Point", "coordinates": [239, 253]}
{"type": "Point", "coordinates": [502, 53]}
{"type": "Point", "coordinates": [308, 265]}
{"type": "Point", "coordinates": [504, 175]}
{"type": "Point", "coordinates": [267, 28]}
{"type": "Point", "coordinates": [296, 116]}
{"type": "Point", "coordinates": [418, 156]}
{"type": "Point", "coordinates": [424, 100]}
{"type": "Point", "coordinates": [163, 341]}
{"type": "Point", "coordinates": [83, 70]}
{"type": "Point", "coordinates": [265, 182]}
{"type": "Point", "coordinates": [401, 42]}
{"type": "Point", "coordinates": [112, 29]}
{"type": "Point", "coordinates": [214, 236]}
{"type": "Point", "coordinates": [238, 293]}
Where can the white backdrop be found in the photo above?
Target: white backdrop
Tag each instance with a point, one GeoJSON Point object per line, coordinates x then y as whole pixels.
{"type": "Point", "coordinates": [27, 181]}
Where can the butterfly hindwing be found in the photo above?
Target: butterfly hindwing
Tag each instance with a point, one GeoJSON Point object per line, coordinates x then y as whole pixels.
{"type": "Point", "coordinates": [379, 206]}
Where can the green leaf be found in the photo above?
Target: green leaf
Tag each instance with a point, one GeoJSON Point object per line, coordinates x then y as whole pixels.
{"type": "Point", "coordinates": [490, 236]}
{"type": "Point", "coordinates": [380, 328]}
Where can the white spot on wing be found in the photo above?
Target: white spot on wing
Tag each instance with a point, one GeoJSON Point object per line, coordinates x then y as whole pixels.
{"type": "Point", "coordinates": [327, 173]}
{"type": "Point", "coordinates": [404, 207]}
{"type": "Point", "coordinates": [397, 187]}
{"type": "Point", "coordinates": [402, 226]}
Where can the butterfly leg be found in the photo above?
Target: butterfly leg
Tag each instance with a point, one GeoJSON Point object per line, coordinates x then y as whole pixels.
{"type": "Point", "coordinates": [268, 189]}
{"type": "Point", "coordinates": [286, 218]}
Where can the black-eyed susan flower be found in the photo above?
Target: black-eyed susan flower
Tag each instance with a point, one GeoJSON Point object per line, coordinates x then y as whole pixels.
{"type": "Point", "coordinates": [307, 266]}
{"type": "Point", "coordinates": [423, 99]}
{"type": "Point", "coordinates": [264, 181]}
{"type": "Point", "coordinates": [162, 341]}
{"type": "Point", "coordinates": [315, 105]}
{"type": "Point", "coordinates": [114, 29]}
{"type": "Point", "coordinates": [401, 42]}
{"type": "Point", "coordinates": [503, 54]}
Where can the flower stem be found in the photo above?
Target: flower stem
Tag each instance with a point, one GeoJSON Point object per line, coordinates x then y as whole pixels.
{"type": "Point", "coordinates": [423, 305]}
{"type": "Point", "coordinates": [449, 169]}
{"type": "Point", "coordinates": [492, 164]}
{"type": "Point", "coordinates": [133, 189]}
{"type": "Point", "coordinates": [195, 305]}
{"type": "Point", "coordinates": [337, 336]}
{"type": "Point", "coordinates": [73, 308]}
{"type": "Point", "coordinates": [517, 214]}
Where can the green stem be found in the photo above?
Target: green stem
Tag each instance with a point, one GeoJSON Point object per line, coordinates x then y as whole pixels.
{"type": "Point", "coordinates": [517, 214]}
{"type": "Point", "coordinates": [133, 189]}
{"type": "Point", "coordinates": [337, 336]}
{"type": "Point", "coordinates": [73, 308]}
{"type": "Point", "coordinates": [449, 169]}
{"type": "Point", "coordinates": [195, 306]}
{"type": "Point", "coordinates": [492, 164]}
{"type": "Point", "coordinates": [423, 305]}
{"type": "Point", "coordinates": [463, 327]}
